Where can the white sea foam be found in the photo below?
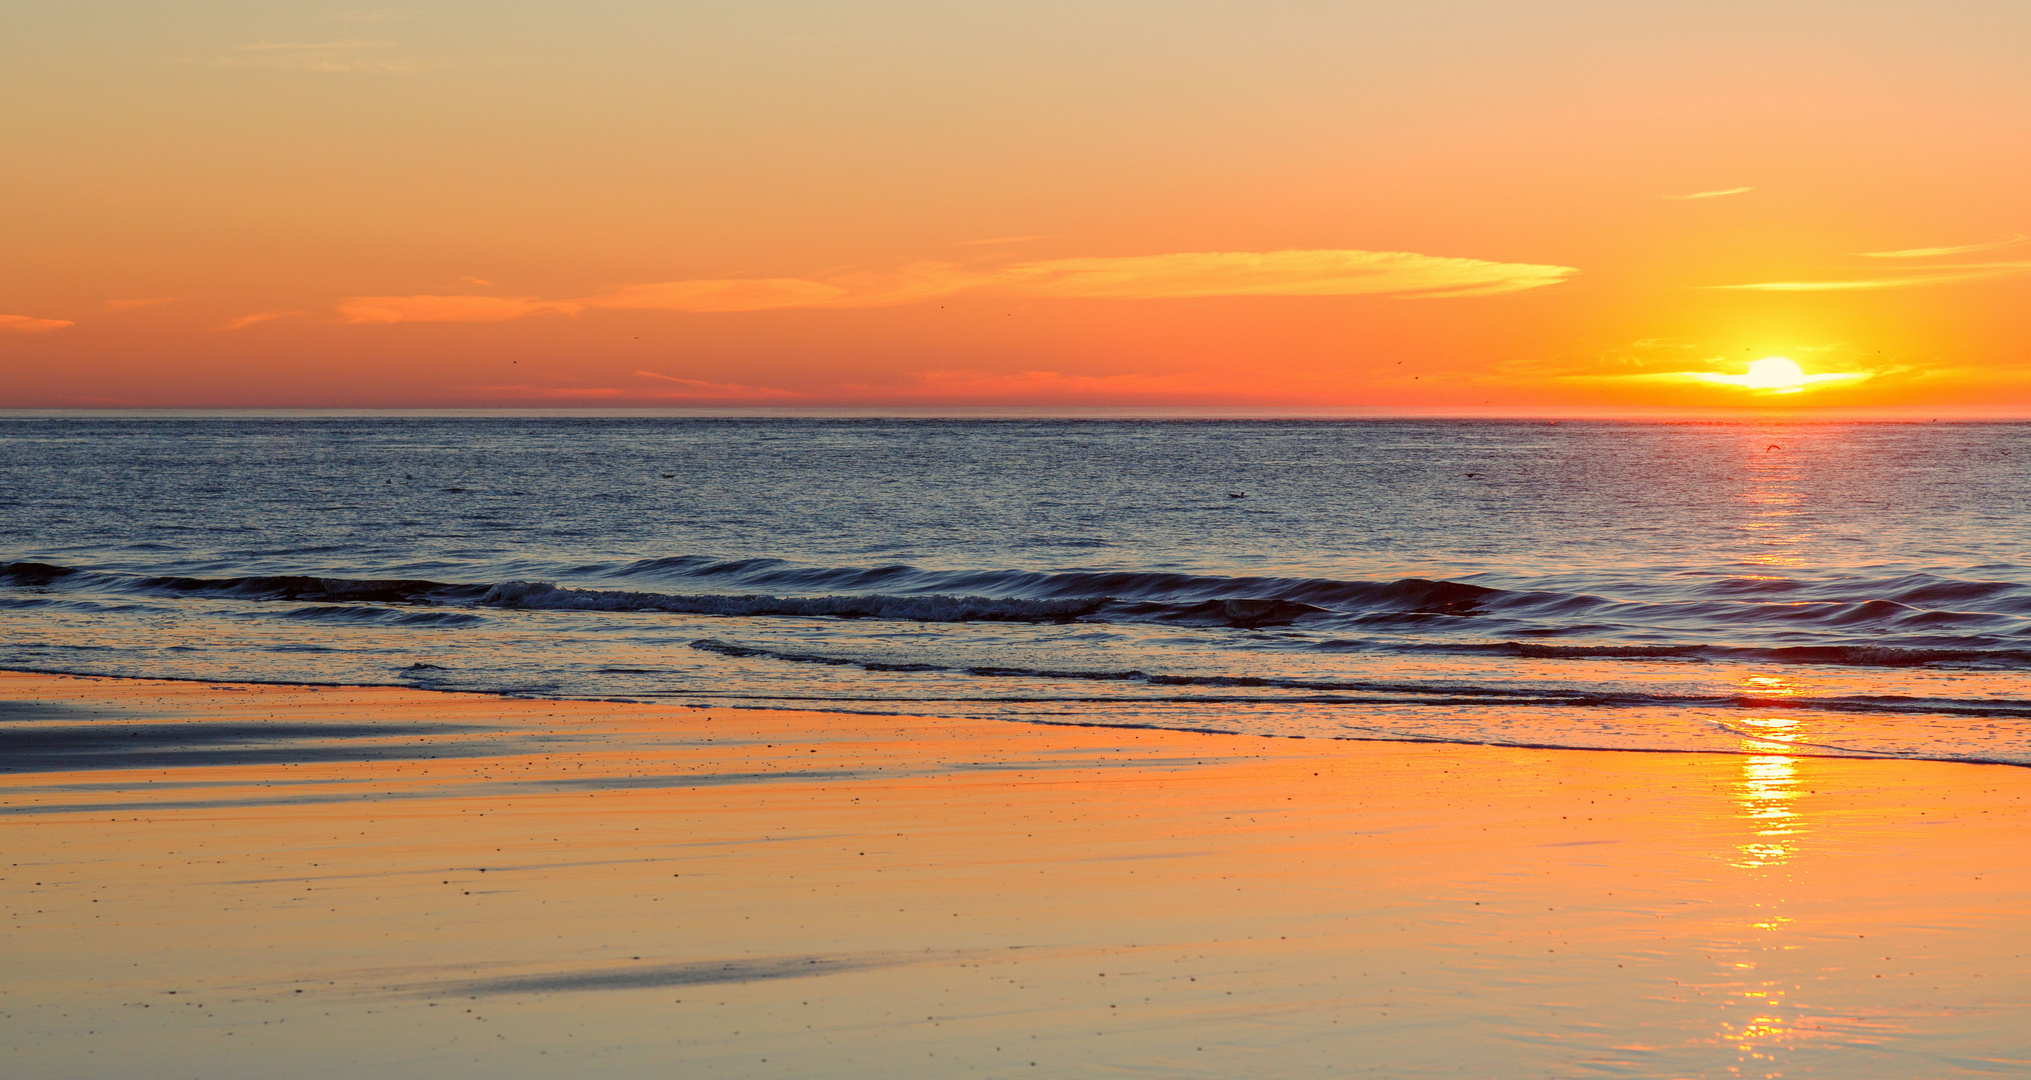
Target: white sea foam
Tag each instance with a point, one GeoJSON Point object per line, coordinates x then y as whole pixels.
{"type": "Point", "coordinates": [544, 596]}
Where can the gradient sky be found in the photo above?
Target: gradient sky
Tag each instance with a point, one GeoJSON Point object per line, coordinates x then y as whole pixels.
{"type": "Point", "coordinates": [1442, 204]}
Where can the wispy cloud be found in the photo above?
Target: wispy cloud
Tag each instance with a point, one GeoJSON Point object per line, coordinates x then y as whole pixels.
{"type": "Point", "coordinates": [1934, 252]}
{"type": "Point", "coordinates": [698, 388]}
{"type": "Point", "coordinates": [1686, 363]}
{"type": "Point", "coordinates": [1275, 273]}
{"type": "Point", "coordinates": [28, 324]}
{"type": "Point", "coordinates": [912, 284]}
{"type": "Point", "coordinates": [1836, 286]}
{"type": "Point", "coordinates": [316, 46]}
{"type": "Point", "coordinates": [352, 54]}
{"type": "Point", "coordinates": [532, 392]}
{"type": "Point", "coordinates": [995, 240]}
{"type": "Point", "coordinates": [1023, 387]}
{"type": "Point", "coordinates": [1944, 275]}
{"type": "Point", "coordinates": [681, 392]}
{"type": "Point", "coordinates": [1338, 272]}
{"type": "Point", "coordinates": [412, 309]}
{"type": "Point", "coordinates": [719, 294]}
{"type": "Point", "coordinates": [1749, 382]}
{"type": "Point", "coordinates": [1913, 277]}
{"type": "Point", "coordinates": [246, 321]}
{"type": "Point", "coordinates": [1716, 194]}
{"type": "Point", "coordinates": [373, 14]}
{"type": "Point", "coordinates": [127, 305]}
{"type": "Point", "coordinates": [1742, 381]}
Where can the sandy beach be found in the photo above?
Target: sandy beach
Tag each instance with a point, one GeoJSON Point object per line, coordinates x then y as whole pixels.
{"type": "Point", "coordinates": [209, 879]}
{"type": "Point", "coordinates": [1107, 541]}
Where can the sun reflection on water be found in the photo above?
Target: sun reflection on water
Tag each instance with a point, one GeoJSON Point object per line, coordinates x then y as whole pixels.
{"type": "Point", "coordinates": [1769, 685]}
{"type": "Point", "coordinates": [1765, 795]}
{"type": "Point", "coordinates": [1774, 500]}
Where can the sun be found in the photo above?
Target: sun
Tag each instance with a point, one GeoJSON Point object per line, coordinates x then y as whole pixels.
{"type": "Point", "coordinates": [1774, 375]}
{"type": "Point", "coordinates": [1779, 373]}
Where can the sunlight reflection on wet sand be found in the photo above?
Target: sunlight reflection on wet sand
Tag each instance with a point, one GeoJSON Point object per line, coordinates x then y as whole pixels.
{"type": "Point", "coordinates": [398, 880]}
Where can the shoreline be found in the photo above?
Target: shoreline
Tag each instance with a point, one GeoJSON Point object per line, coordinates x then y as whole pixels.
{"type": "Point", "coordinates": [1722, 414]}
{"type": "Point", "coordinates": [252, 880]}
{"type": "Point", "coordinates": [1777, 747]}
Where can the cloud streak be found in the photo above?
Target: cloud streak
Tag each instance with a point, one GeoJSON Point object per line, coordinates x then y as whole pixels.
{"type": "Point", "coordinates": [1934, 252]}
{"type": "Point", "coordinates": [28, 324]}
{"type": "Point", "coordinates": [1749, 382]}
{"type": "Point", "coordinates": [1020, 387]}
{"type": "Point", "coordinates": [719, 294]}
{"type": "Point", "coordinates": [1275, 273]}
{"type": "Point", "coordinates": [1944, 275]}
{"type": "Point", "coordinates": [1721, 193]}
{"type": "Point", "coordinates": [246, 321]}
{"type": "Point", "coordinates": [329, 56]}
{"type": "Point", "coordinates": [683, 392]}
{"type": "Point", "coordinates": [315, 46]}
{"type": "Point", "coordinates": [415, 309]}
{"type": "Point", "coordinates": [946, 387]}
{"type": "Point", "coordinates": [702, 390]}
{"type": "Point", "coordinates": [1742, 382]}
{"type": "Point", "coordinates": [373, 14]}
{"type": "Point", "coordinates": [1332, 272]}
{"type": "Point", "coordinates": [1917, 276]}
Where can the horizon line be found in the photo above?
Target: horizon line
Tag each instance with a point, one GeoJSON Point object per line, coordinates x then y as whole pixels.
{"type": "Point", "coordinates": [1034, 412]}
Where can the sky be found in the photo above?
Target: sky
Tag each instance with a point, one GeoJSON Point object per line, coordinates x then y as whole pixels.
{"type": "Point", "coordinates": [1452, 205]}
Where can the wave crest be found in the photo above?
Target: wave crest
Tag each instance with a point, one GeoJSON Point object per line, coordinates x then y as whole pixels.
{"type": "Point", "coordinates": [544, 596]}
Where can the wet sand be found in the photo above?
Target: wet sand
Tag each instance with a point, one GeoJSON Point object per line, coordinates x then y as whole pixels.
{"type": "Point", "coordinates": [246, 881]}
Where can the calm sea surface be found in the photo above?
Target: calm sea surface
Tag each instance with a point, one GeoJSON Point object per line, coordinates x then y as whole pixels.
{"type": "Point", "coordinates": [1748, 587]}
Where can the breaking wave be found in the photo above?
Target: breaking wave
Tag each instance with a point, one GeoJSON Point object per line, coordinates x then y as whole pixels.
{"type": "Point", "coordinates": [1725, 619]}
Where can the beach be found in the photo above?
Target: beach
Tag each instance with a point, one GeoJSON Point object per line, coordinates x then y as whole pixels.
{"type": "Point", "coordinates": [1106, 541]}
{"type": "Point", "coordinates": [216, 879]}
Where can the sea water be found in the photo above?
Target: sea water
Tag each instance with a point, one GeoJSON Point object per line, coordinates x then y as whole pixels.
{"type": "Point", "coordinates": [1752, 587]}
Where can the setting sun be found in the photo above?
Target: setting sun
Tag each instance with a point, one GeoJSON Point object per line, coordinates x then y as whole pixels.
{"type": "Point", "coordinates": [1775, 373]}
{"type": "Point", "coordinates": [1772, 375]}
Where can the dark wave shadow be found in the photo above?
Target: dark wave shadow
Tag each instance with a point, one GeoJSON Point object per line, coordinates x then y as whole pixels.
{"type": "Point", "coordinates": [74, 747]}
{"type": "Point", "coordinates": [662, 976]}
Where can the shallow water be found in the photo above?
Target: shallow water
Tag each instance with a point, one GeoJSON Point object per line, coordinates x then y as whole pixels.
{"type": "Point", "coordinates": [233, 881]}
{"type": "Point", "coordinates": [1749, 587]}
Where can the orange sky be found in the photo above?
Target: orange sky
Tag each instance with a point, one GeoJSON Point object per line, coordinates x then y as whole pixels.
{"type": "Point", "coordinates": [1441, 204]}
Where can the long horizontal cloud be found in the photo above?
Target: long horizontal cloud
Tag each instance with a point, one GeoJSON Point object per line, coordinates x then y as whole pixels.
{"type": "Point", "coordinates": [948, 387]}
{"type": "Point", "coordinates": [1941, 275]}
{"type": "Point", "coordinates": [1933, 252]}
{"type": "Point", "coordinates": [685, 391]}
{"type": "Point", "coordinates": [1275, 273]}
{"type": "Point", "coordinates": [720, 294]}
{"type": "Point", "coordinates": [255, 319]}
{"type": "Point", "coordinates": [28, 324]}
{"type": "Point", "coordinates": [699, 388]}
{"type": "Point", "coordinates": [401, 309]}
{"type": "Point", "coordinates": [1022, 386]}
{"type": "Point", "coordinates": [1744, 382]}
{"type": "Point", "coordinates": [1750, 382]}
{"type": "Point", "coordinates": [1333, 272]}
{"type": "Point", "coordinates": [1846, 286]}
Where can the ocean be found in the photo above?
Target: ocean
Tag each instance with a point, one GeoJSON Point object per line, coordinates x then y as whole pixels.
{"type": "Point", "coordinates": [1757, 587]}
